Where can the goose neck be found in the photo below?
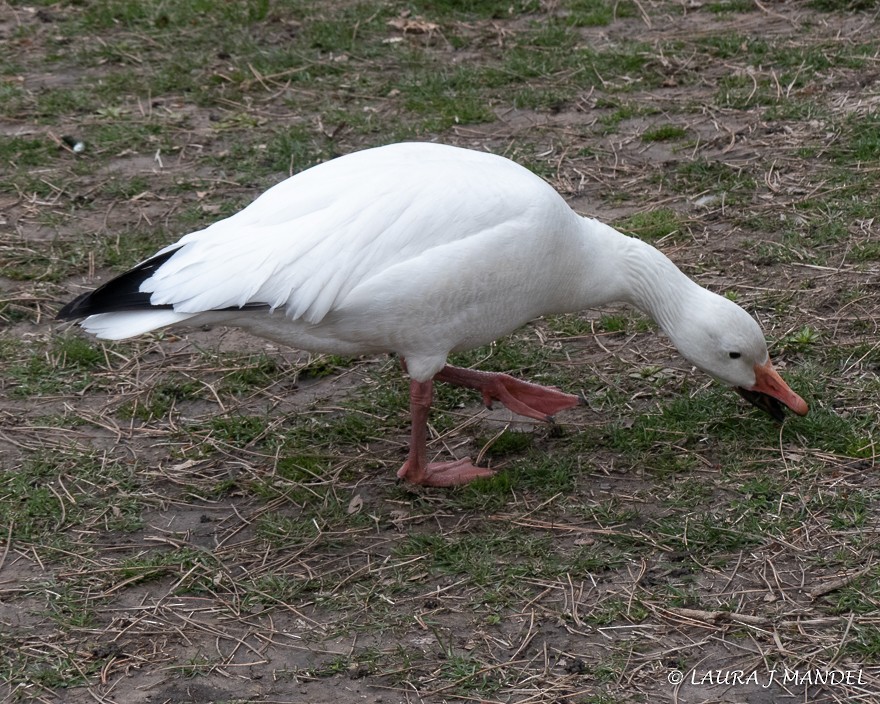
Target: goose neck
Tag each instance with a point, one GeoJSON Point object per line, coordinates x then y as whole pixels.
{"type": "Point", "coordinates": [657, 287]}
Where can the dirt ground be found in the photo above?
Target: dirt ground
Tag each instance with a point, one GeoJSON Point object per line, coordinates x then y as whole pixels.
{"type": "Point", "coordinates": [183, 560]}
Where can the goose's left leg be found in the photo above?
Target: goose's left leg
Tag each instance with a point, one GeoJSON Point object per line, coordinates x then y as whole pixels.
{"type": "Point", "coordinates": [522, 397]}
{"type": "Point", "coordinates": [416, 469]}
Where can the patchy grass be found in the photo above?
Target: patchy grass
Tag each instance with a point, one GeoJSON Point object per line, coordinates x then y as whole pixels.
{"type": "Point", "coordinates": [664, 133]}
{"type": "Point", "coordinates": [205, 517]}
{"type": "Point", "coordinates": [652, 225]}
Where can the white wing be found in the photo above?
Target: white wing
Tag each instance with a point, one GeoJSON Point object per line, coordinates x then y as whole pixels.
{"type": "Point", "coordinates": [307, 242]}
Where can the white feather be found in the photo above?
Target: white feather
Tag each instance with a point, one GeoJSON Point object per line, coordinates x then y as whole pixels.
{"type": "Point", "coordinates": [119, 326]}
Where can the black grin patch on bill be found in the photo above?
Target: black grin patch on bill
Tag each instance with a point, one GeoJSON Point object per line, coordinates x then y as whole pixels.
{"type": "Point", "coordinates": [771, 406]}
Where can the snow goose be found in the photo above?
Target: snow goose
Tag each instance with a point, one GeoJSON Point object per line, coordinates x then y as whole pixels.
{"type": "Point", "coordinates": [423, 250]}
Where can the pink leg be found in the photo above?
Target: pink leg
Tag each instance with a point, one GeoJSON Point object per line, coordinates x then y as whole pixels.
{"type": "Point", "coordinates": [416, 468]}
{"type": "Point", "coordinates": [531, 400]}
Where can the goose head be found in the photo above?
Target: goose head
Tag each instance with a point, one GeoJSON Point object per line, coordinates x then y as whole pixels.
{"type": "Point", "coordinates": [725, 341]}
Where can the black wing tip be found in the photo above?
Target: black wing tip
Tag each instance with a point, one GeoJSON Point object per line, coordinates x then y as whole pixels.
{"type": "Point", "coordinates": [71, 310]}
{"type": "Point", "coordinates": [93, 303]}
{"type": "Point", "coordinates": [119, 294]}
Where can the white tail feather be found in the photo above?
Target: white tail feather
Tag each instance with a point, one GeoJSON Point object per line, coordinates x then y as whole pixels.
{"type": "Point", "coordinates": [119, 326]}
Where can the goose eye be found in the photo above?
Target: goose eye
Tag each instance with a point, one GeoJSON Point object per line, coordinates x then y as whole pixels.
{"type": "Point", "coordinates": [734, 355]}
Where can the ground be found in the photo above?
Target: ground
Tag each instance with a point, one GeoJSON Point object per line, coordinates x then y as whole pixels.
{"type": "Point", "coordinates": [200, 516]}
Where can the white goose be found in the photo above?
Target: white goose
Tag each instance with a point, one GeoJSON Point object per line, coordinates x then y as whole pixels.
{"type": "Point", "coordinates": [424, 250]}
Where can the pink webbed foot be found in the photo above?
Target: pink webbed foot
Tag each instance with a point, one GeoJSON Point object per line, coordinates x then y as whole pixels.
{"type": "Point", "coordinates": [521, 397]}
{"type": "Point", "coordinates": [416, 469]}
{"type": "Point", "coordinates": [443, 474]}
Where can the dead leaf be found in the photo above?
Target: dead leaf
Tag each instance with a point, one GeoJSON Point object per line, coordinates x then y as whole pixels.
{"type": "Point", "coordinates": [355, 504]}
{"type": "Point", "coordinates": [415, 25]}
